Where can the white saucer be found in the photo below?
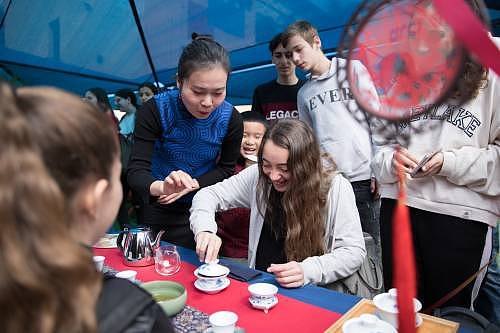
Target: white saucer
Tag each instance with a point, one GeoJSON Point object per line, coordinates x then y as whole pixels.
{"type": "Point", "coordinates": [263, 304]}
{"type": "Point", "coordinates": [221, 285]}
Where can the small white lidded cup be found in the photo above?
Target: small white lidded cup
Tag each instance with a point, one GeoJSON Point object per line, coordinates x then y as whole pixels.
{"type": "Point", "coordinates": [99, 262]}
{"type": "Point", "coordinates": [387, 308]}
{"type": "Point", "coordinates": [128, 274]}
{"type": "Point", "coordinates": [223, 321]}
{"type": "Point", "coordinates": [263, 296]}
{"type": "Point", "coordinates": [367, 323]}
{"type": "Point", "coordinates": [211, 275]}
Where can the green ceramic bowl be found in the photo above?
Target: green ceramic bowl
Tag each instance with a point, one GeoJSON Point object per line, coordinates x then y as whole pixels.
{"type": "Point", "coordinates": [171, 296]}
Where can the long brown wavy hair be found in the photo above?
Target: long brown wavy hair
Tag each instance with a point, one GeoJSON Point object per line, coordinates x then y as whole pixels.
{"type": "Point", "coordinates": [304, 201]}
{"type": "Point", "coordinates": [48, 282]}
{"type": "Point", "coordinates": [78, 143]}
{"type": "Point", "coordinates": [474, 76]}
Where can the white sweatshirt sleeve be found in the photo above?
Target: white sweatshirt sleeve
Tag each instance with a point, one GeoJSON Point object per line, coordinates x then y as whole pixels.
{"type": "Point", "coordinates": [348, 250]}
{"type": "Point", "coordinates": [382, 162]}
{"type": "Point", "coordinates": [302, 108]}
{"type": "Point", "coordinates": [236, 191]}
{"type": "Point", "coordinates": [478, 168]}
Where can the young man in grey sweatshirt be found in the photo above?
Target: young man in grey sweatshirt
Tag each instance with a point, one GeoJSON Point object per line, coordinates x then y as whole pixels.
{"type": "Point", "coordinates": [322, 104]}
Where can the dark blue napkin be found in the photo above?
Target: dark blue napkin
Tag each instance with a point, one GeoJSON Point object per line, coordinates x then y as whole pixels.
{"type": "Point", "coordinates": [239, 272]}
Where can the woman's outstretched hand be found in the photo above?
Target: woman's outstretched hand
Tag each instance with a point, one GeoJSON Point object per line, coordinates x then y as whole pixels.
{"type": "Point", "coordinates": [176, 185]}
{"type": "Point", "coordinates": [289, 275]}
{"type": "Point", "coordinates": [404, 159]}
{"type": "Point", "coordinates": [207, 246]}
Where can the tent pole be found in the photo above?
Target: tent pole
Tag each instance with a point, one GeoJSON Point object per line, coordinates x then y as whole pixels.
{"type": "Point", "coordinates": [5, 14]}
{"type": "Point", "coordinates": [143, 39]}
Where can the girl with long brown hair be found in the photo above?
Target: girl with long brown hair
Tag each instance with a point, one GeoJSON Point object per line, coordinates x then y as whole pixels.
{"type": "Point", "coordinates": [50, 283]}
{"type": "Point", "coordinates": [47, 280]}
{"type": "Point", "coordinates": [304, 225]}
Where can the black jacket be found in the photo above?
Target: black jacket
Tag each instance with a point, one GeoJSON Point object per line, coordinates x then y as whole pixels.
{"type": "Point", "coordinates": [125, 307]}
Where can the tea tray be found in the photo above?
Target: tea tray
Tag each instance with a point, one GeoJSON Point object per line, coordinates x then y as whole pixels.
{"type": "Point", "coordinates": [430, 325]}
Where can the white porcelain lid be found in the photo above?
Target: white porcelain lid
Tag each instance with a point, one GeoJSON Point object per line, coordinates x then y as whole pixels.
{"type": "Point", "coordinates": [213, 270]}
{"type": "Point", "coordinates": [388, 302]}
{"type": "Point", "coordinates": [367, 323]}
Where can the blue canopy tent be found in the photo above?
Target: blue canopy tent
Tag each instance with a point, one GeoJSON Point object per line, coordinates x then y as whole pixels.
{"type": "Point", "coordinates": [79, 44]}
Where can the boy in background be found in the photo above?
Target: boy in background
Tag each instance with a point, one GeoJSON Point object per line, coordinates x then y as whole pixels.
{"type": "Point", "coordinates": [232, 225]}
{"type": "Point", "coordinates": [322, 104]}
{"type": "Point", "coordinates": [277, 99]}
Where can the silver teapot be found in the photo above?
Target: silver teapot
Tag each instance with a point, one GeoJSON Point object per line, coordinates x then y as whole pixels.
{"type": "Point", "coordinates": [138, 245]}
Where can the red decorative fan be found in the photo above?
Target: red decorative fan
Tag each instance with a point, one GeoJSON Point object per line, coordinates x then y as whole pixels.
{"type": "Point", "coordinates": [412, 52]}
{"type": "Point", "coordinates": [411, 55]}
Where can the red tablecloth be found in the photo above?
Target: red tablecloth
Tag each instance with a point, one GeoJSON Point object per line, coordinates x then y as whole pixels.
{"type": "Point", "coordinates": [289, 315]}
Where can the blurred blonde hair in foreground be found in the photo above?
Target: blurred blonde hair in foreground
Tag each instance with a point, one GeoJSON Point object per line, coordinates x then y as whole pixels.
{"type": "Point", "coordinates": [47, 280]}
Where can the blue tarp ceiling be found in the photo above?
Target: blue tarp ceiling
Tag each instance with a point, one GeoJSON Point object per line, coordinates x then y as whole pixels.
{"type": "Point", "coordinates": [77, 44]}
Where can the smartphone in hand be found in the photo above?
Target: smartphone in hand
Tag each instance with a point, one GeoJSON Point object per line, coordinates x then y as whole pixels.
{"type": "Point", "coordinates": [422, 162]}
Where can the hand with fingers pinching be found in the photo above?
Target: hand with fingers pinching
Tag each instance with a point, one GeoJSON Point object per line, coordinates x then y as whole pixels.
{"type": "Point", "coordinates": [431, 167]}
{"type": "Point", "coordinates": [405, 159]}
{"type": "Point", "coordinates": [289, 275]}
{"type": "Point", "coordinates": [176, 184]}
{"type": "Point", "coordinates": [207, 246]}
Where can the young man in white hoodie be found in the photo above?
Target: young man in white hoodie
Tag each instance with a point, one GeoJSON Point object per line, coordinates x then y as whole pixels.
{"type": "Point", "coordinates": [454, 199]}
{"type": "Point", "coordinates": [322, 104]}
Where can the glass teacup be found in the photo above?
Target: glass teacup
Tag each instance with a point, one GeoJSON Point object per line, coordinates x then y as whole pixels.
{"type": "Point", "coordinates": [167, 260]}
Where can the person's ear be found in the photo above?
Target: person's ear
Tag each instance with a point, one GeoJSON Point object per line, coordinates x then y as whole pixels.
{"type": "Point", "coordinates": [317, 41]}
{"type": "Point", "coordinates": [178, 81]}
{"type": "Point", "coordinates": [93, 197]}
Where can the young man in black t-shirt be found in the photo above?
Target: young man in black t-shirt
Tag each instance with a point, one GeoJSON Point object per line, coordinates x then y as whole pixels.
{"type": "Point", "coordinates": [277, 99]}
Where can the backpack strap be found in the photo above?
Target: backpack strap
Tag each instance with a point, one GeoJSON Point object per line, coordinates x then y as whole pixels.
{"type": "Point", "coordinates": [455, 291]}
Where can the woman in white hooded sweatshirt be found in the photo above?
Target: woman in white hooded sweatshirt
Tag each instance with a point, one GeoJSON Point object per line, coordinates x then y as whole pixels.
{"type": "Point", "coordinates": [304, 225]}
{"type": "Point", "coordinates": [454, 199]}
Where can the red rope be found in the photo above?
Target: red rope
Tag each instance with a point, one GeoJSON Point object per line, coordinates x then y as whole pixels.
{"type": "Point", "coordinates": [404, 259]}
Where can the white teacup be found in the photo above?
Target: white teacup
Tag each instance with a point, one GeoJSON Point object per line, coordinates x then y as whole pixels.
{"type": "Point", "coordinates": [262, 290]}
{"type": "Point", "coordinates": [387, 308]}
{"type": "Point", "coordinates": [99, 262]}
{"type": "Point", "coordinates": [367, 323]}
{"type": "Point", "coordinates": [223, 321]}
{"type": "Point", "coordinates": [128, 274]}
{"type": "Point", "coordinates": [211, 275]}
{"type": "Point", "coordinates": [211, 283]}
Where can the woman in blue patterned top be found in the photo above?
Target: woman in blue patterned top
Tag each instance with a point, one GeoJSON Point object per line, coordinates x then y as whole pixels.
{"type": "Point", "coordinates": [185, 139]}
